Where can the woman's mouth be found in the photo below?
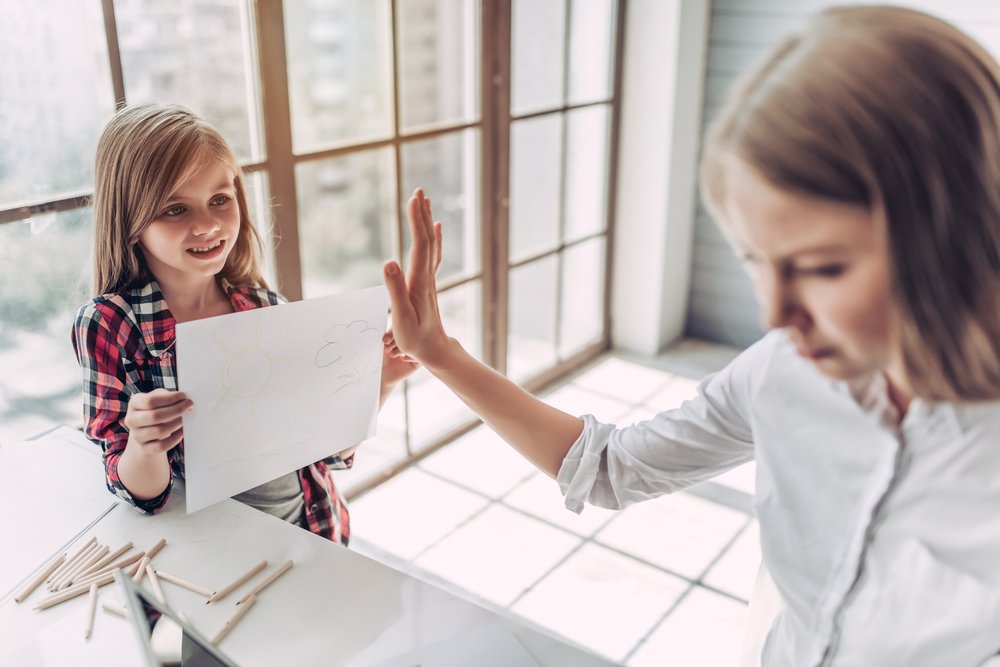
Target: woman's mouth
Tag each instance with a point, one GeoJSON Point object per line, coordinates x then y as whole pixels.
{"type": "Point", "coordinates": [210, 251]}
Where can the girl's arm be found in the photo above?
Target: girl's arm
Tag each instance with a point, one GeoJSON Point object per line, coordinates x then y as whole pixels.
{"type": "Point", "coordinates": [538, 431]}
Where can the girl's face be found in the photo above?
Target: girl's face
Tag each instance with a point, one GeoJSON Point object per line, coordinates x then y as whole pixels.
{"type": "Point", "coordinates": [194, 231]}
{"type": "Point", "coordinates": [820, 269]}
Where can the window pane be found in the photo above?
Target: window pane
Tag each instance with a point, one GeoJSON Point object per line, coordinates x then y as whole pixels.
{"type": "Point", "coordinates": [377, 454]}
{"type": "Point", "coordinates": [339, 71]}
{"type": "Point", "coordinates": [191, 54]}
{"type": "Point", "coordinates": [531, 338]}
{"type": "Point", "coordinates": [538, 34]}
{"type": "Point", "coordinates": [346, 220]}
{"type": "Point", "coordinates": [57, 90]}
{"type": "Point", "coordinates": [438, 62]}
{"type": "Point", "coordinates": [433, 408]}
{"type": "Point", "coordinates": [259, 201]}
{"type": "Point", "coordinates": [536, 156]}
{"type": "Point", "coordinates": [586, 171]}
{"type": "Point", "coordinates": [447, 168]}
{"type": "Point", "coordinates": [45, 276]}
{"type": "Point", "coordinates": [582, 309]}
{"type": "Point", "coordinates": [590, 53]}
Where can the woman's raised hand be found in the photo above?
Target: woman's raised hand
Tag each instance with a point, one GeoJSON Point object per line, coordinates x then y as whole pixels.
{"type": "Point", "coordinates": [417, 330]}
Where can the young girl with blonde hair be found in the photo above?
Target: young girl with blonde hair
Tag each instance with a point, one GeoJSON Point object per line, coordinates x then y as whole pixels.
{"type": "Point", "coordinates": [857, 173]}
{"type": "Point", "coordinates": [174, 243]}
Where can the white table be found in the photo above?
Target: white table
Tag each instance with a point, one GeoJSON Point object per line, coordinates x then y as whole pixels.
{"type": "Point", "coordinates": [334, 607]}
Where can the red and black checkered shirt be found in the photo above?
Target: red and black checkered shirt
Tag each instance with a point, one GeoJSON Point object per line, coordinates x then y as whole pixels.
{"type": "Point", "coordinates": [124, 343]}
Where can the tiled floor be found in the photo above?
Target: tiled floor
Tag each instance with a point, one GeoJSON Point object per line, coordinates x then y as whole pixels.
{"type": "Point", "coordinates": [662, 582]}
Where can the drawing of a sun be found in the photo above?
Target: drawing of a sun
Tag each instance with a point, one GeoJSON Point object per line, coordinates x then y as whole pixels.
{"type": "Point", "coordinates": [247, 372]}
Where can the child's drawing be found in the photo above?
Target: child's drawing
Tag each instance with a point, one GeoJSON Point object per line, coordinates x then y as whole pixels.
{"type": "Point", "coordinates": [277, 388]}
{"type": "Point", "coordinates": [345, 342]}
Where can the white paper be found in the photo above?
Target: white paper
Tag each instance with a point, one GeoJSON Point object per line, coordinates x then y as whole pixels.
{"type": "Point", "coordinates": [278, 388]}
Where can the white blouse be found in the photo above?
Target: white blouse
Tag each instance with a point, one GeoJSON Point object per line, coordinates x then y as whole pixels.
{"type": "Point", "coordinates": [883, 539]}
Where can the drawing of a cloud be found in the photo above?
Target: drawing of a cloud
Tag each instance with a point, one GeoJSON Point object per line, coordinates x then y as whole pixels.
{"type": "Point", "coordinates": [344, 342]}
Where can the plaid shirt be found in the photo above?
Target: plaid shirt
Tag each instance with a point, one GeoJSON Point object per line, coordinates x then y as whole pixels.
{"type": "Point", "coordinates": [124, 343]}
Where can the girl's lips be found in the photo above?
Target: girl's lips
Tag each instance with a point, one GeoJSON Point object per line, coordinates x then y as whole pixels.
{"type": "Point", "coordinates": [211, 254]}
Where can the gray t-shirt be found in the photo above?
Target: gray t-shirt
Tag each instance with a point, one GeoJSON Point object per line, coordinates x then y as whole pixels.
{"type": "Point", "coordinates": [281, 497]}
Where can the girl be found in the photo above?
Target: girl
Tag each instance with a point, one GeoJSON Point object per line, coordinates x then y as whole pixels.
{"type": "Point", "coordinates": [172, 227]}
{"type": "Point", "coordinates": [857, 173]}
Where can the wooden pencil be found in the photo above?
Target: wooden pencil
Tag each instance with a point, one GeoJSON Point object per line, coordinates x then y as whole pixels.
{"type": "Point", "coordinates": [183, 583]}
{"type": "Point", "coordinates": [137, 577]}
{"type": "Point", "coordinates": [102, 563]}
{"type": "Point", "coordinates": [123, 563]}
{"type": "Point", "coordinates": [90, 560]}
{"type": "Point", "coordinates": [114, 609]}
{"type": "Point", "coordinates": [235, 618]}
{"type": "Point", "coordinates": [239, 581]}
{"type": "Point", "coordinates": [72, 560]}
{"type": "Point", "coordinates": [155, 549]}
{"type": "Point", "coordinates": [154, 581]}
{"type": "Point", "coordinates": [90, 612]}
{"type": "Point", "coordinates": [73, 592]}
{"type": "Point", "coordinates": [70, 571]}
{"type": "Point", "coordinates": [37, 581]}
{"type": "Point", "coordinates": [280, 570]}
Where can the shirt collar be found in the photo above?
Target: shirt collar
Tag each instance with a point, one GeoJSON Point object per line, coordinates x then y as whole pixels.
{"type": "Point", "coordinates": [156, 322]}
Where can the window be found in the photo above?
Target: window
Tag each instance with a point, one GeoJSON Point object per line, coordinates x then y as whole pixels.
{"type": "Point", "coordinates": [503, 111]}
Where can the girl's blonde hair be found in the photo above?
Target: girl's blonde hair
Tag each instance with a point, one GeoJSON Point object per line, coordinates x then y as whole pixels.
{"type": "Point", "coordinates": [899, 112]}
{"type": "Point", "coordinates": [144, 153]}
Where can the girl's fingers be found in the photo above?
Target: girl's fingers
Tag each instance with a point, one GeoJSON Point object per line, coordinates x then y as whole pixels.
{"type": "Point", "coordinates": [157, 431]}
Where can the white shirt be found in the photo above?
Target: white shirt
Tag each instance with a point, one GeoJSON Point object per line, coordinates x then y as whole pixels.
{"type": "Point", "coordinates": [883, 539]}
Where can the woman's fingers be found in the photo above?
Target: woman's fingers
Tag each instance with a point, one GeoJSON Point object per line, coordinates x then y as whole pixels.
{"type": "Point", "coordinates": [403, 313]}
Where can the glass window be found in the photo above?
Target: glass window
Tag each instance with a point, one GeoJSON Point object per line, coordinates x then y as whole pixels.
{"type": "Point", "coordinates": [346, 220]}
{"type": "Point", "coordinates": [531, 338]}
{"type": "Point", "coordinates": [592, 24]}
{"type": "Point", "coordinates": [447, 167]}
{"type": "Point", "coordinates": [586, 171]}
{"type": "Point", "coordinates": [339, 71]}
{"type": "Point", "coordinates": [538, 33]}
{"type": "Point", "coordinates": [48, 140]}
{"type": "Point", "coordinates": [581, 308]}
{"type": "Point", "coordinates": [45, 276]}
{"type": "Point", "coordinates": [191, 53]}
{"type": "Point", "coordinates": [438, 62]}
{"type": "Point", "coordinates": [535, 181]}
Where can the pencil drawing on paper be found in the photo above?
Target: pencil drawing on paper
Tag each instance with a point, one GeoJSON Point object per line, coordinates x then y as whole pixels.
{"type": "Point", "coordinates": [247, 372]}
{"type": "Point", "coordinates": [355, 378]}
{"type": "Point", "coordinates": [344, 342]}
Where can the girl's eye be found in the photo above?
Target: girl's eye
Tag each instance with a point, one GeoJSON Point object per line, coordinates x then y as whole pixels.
{"type": "Point", "coordinates": [173, 211]}
{"type": "Point", "coordinates": [221, 200]}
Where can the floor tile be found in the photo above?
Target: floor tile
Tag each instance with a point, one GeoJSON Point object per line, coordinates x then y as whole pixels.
{"type": "Point", "coordinates": [411, 512]}
{"type": "Point", "coordinates": [616, 377]}
{"type": "Point", "coordinates": [601, 600]}
{"type": "Point", "coordinates": [679, 532]}
{"type": "Point", "coordinates": [671, 396]}
{"type": "Point", "coordinates": [577, 401]}
{"type": "Point", "coordinates": [498, 554]}
{"type": "Point", "coordinates": [540, 496]}
{"type": "Point", "coordinates": [482, 461]}
{"type": "Point", "coordinates": [736, 571]}
{"type": "Point", "coordinates": [705, 630]}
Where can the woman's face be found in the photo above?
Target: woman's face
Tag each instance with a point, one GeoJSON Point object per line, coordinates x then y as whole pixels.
{"type": "Point", "coordinates": [820, 269]}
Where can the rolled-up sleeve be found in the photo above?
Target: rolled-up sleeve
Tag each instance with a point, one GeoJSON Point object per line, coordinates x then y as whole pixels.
{"type": "Point", "coordinates": [614, 467]}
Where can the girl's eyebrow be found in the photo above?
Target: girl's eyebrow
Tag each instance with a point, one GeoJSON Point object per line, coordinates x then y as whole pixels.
{"type": "Point", "coordinates": [224, 185]}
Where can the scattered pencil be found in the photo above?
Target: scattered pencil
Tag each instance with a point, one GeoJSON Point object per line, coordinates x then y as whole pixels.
{"type": "Point", "coordinates": [114, 609]}
{"type": "Point", "coordinates": [83, 567]}
{"type": "Point", "coordinates": [154, 581]}
{"type": "Point", "coordinates": [37, 581]}
{"type": "Point", "coordinates": [90, 612]}
{"type": "Point", "coordinates": [103, 562]}
{"type": "Point", "coordinates": [284, 567]}
{"type": "Point", "coordinates": [70, 571]}
{"type": "Point", "coordinates": [183, 583]}
{"type": "Point", "coordinates": [142, 569]}
{"type": "Point", "coordinates": [234, 619]}
{"type": "Point", "coordinates": [73, 592]}
{"type": "Point", "coordinates": [155, 549]}
{"type": "Point", "coordinates": [72, 560]}
{"type": "Point", "coordinates": [239, 581]}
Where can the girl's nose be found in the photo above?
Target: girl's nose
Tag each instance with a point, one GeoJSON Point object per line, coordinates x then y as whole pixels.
{"type": "Point", "coordinates": [205, 224]}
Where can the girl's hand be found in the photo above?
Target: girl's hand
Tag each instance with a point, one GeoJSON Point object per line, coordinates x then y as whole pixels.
{"type": "Point", "coordinates": [396, 366]}
{"type": "Point", "coordinates": [154, 420]}
{"type": "Point", "coordinates": [416, 321]}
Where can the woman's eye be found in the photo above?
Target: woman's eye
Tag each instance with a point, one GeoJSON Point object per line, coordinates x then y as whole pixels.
{"type": "Point", "coordinates": [828, 271]}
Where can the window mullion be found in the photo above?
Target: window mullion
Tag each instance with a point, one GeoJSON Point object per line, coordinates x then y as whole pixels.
{"type": "Point", "coordinates": [114, 53]}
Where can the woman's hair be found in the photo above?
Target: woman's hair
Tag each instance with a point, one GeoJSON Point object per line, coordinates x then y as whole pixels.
{"type": "Point", "coordinates": [898, 112]}
{"type": "Point", "coordinates": [144, 153]}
